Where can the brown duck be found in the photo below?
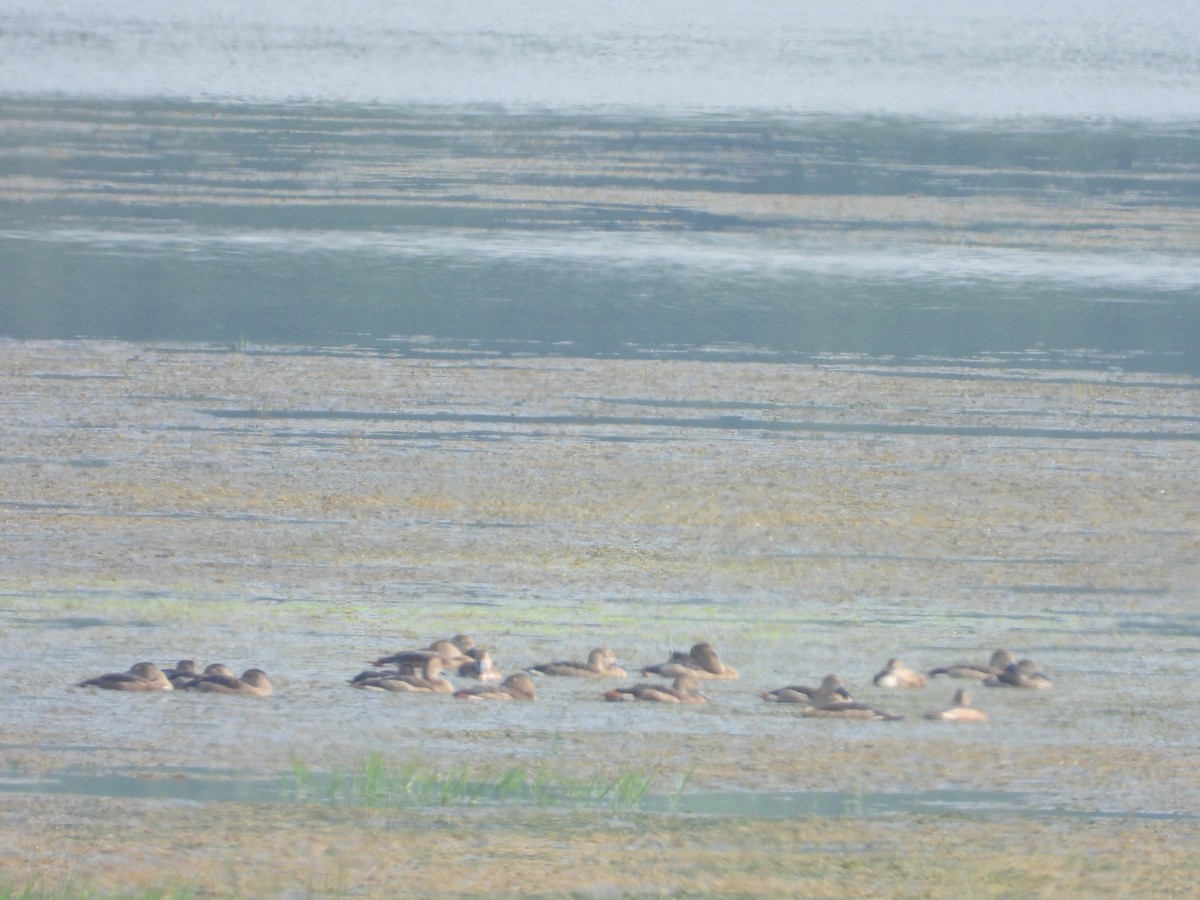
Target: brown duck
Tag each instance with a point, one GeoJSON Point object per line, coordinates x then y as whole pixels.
{"type": "Point", "coordinates": [897, 675]}
{"type": "Point", "coordinates": [253, 683]}
{"type": "Point", "coordinates": [1000, 661]}
{"type": "Point", "coordinates": [685, 689]}
{"type": "Point", "coordinates": [430, 681]}
{"type": "Point", "coordinates": [959, 710]}
{"type": "Point", "coordinates": [143, 676]}
{"type": "Point", "coordinates": [701, 661]}
{"type": "Point", "coordinates": [413, 661]}
{"type": "Point", "coordinates": [515, 687]}
{"type": "Point", "coordinates": [800, 693]}
{"type": "Point", "coordinates": [826, 703]}
{"type": "Point", "coordinates": [480, 667]}
{"type": "Point", "coordinates": [1021, 674]}
{"type": "Point", "coordinates": [217, 670]}
{"type": "Point", "coordinates": [185, 670]}
{"type": "Point", "coordinates": [601, 663]}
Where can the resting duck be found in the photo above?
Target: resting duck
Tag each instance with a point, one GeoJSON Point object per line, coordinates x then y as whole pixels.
{"type": "Point", "coordinates": [799, 693]}
{"type": "Point", "coordinates": [1021, 674]}
{"type": "Point", "coordinates": [515, 687]}
{"type": "Point", "coordinates": [897, 675]}
{"type": "Point", "coordinates": [430, 681]}
{"type": "Point", "coordinates": [685, 689]}
{"type": "Point", "coordinates": [412, 661]}
{"type": "Point", "coordinates": [1000, 661]}
{"type": "Point", "coordinates": [464, 642]}
{"type": "Point", "coordinates": [143, 676]}
{"type": "Point", "coordinates": [480, 667]}
{"type": "Point", "coordinates": [217, 670]}
{"type": "Point", "coordinates": [960, 710]}
{"type": "Point", "coordinates": [701, 661]}
{"type": "Point", "coordinates": [601, 663]}
{"type": "Point", "coordinates": [185, 670]}
{"type": "Point", "coordinates": [826, 703]}
{"type": "Point", "coordinates": [253, 683]}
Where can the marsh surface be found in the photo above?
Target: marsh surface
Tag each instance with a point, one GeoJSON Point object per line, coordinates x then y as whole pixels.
{"type": "Point", "coordinates": [306, 511]}
{"type": "Point", "coordinates": [825, 335]}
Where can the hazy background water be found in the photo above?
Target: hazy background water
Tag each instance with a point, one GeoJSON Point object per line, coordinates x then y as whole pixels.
{"type": "Point", "coordinates": [1013, 185]}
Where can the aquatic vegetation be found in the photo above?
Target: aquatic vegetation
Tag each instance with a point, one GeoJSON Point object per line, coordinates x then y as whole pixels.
{"type": "Point", "coordinates": [37, 891]}
{"type": "Point", "coordinates": [797, 552]}
{"type": "Point", "coordinates": [383, 782]}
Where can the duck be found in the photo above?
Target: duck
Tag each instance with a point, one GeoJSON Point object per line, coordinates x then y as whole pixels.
{"type": "Point", "coordinates": [1000, 661]}
{"type": "Point", "coordinates": [701, 660]}
{"type": "Point", "coordinates": [143, 676]}
{"type": "Point", "coordinates": [676, 664]}
{"type": "Point", "coordinates": [706, 658]}
{"type": "Point", "coordinates": [410, 662]}
{"type": "Point", "coordinates": [252, 683]}
{"type": "Point", "coordinates": [897, 675]}
{"type": "Point", "coordinates": [480, 667]}
{"type": "Point", "coordinates": [800, 693]}
{"type": "Point", "coordinates": [826, 703]}
{"type": "Point", "coordinates": [464, 642]}
{"type": "Point", "coordinates": [684, 689]}
{"type": "Point", "coordinates": [601, 663]}
{"type": "Point", "coordinates": [212, 670]}
{"type": "Point", "coordinates": [959, 710]}
{"type": "Point", "coordinates": [430, 681]}
{"type": "Point", "coordinates": [1021, 674]}
{"type": "Point", "coordinates": [183, 672]}
{"type": "Point", "coordinates": [515, 687]}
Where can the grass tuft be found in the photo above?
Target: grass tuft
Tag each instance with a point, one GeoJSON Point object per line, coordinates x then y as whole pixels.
{"type": "Point", "coordinates": [379, 782]}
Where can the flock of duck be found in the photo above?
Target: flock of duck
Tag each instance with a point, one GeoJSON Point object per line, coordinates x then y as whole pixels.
{"type": "Point", "coordinates": [216, 678]}
{"type": "Point", "coordinates": [426, 670]}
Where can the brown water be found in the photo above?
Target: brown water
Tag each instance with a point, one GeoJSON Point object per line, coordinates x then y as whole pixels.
{"type": "Point", "coordinates": [306, 511]}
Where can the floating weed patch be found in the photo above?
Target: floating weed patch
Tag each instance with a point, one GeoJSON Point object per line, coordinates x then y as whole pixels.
{"type": "Point", "coordinates": [383, 783]}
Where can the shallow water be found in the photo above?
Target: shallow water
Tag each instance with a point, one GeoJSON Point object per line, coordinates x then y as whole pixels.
{"type": "Point", "coordinates": [430, 232]}
{"type": "Point", "coordinates": [222, 786]}
{"type": "Point", "coordinates": [823, 334]}
{"type": "Point", "coordinates": [172, 502]}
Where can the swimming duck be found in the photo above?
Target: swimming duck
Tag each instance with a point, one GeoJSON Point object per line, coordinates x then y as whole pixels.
{"type": "Point", "coordinates": [253, 683]}
{"type": "Point", "coordinates": [685, 689]}
{"type": "Point", "coordinates": [480, 667]}
{"type": "Point", "coordinates": [826, 703]}
{"type": "Point", "coordinates": [430, 681]}
{"type": "Point", "coordinates": [800, 693]}
{"type": "Point", "coordinates": [701, 661]}
{"type": "Point", "coordinates": [601, 663]}
{"type": "Point", "coordinates": [1022, 674]}
{"type": "Point", "coordinates": [143, 676]}
{"type": "Point", "coordinates": [1000, 661]}
{"type": "Point", "coordinates": [515, 687]}
{"type": "Point", "coordinates": [897, 675]}
{"type": "Point", "coordinates": [960, 710]}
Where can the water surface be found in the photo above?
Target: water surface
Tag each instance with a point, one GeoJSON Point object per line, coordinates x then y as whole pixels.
{"type": "Point", "coordinates": [683, 179]}
{"type": "Point", "coordinates": [823, 333]}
